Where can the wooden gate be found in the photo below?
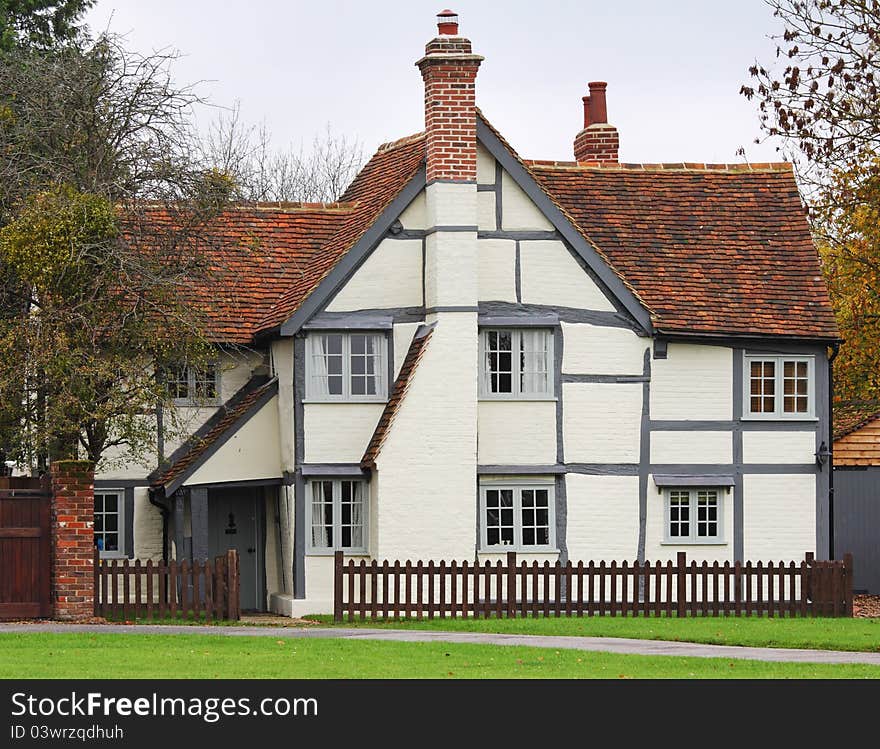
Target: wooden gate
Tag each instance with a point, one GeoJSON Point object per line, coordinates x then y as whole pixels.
{"type": "Point", "coordinates": [25, 562]}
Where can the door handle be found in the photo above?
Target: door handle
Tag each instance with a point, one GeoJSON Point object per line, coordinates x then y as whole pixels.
{"type": "Point", "coordinates": [251, 550]}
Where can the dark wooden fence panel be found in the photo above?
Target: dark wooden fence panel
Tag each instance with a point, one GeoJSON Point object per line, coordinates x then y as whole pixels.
{"type": "Point", "coordinates": [168, 589]}
{"type": "Point", "coordinates": [510, 589]}
{"type": "Point", "coordinates": [24, 548]}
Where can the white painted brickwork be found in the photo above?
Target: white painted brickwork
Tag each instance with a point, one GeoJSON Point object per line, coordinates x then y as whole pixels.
{"type": "Point", "coordinates": [779, 447]}
{"type": "Point", "coordinates": [497, 269]}
{"type": "Point", "coordinates": [550, 275]}
{"type": "Point", "coordinates": [451, 204]}
{"type": "Point", "coordinates": [779, 517]}
{"type": "Point", "coordinates": [485, 167]}
{"type": "Point", "coordinates": [282, 361]}
{"type": "Point", "coordinates": [519, 213]}
{"type": "Point", "coordinates": [590, 349]}
{"type": "Point", "coordinates": [147, 526]}
{"type": "Point", "coordinates": [416, 214]}
{"type": "Point", "coordinates": [603, 517]}
{"type": "Point", "coordinates": [694, 383]}
{"type": "Point", "coordinates": [486, 211]}
{"type": "Point", "coordinates": [390, 277]}
{"type": "Point", "coordinates": [403, 335]}
{"type": "Point", "coordinates": [451, 277]}
{"type": "Point", "coordinates": [339, 432]}
{"type": "Point", "coordinates": [253, 452]}
{"type": "Point", "coordinates": [517, 432]}
{"type": "Point", "coordinates": [691, 447]}
{"type": "Point", "coordinates": [601, 423]}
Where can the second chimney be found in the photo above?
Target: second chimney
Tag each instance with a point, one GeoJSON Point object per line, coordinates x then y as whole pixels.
{"type": "Point", "coordinates": [598, 141]}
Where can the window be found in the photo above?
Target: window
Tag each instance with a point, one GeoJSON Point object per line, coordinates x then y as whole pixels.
{"type": "Point", "coordinates": [693, 516]}
{"type": "Point", "coordinates": [338, 515]}
{"type": "Point", "coordinates": [347, 366]}
{"type": "Point", "coordinates": [516, 363]}
{"type": "Point", "coordinates": [194, 384]}
{"type": "Point", "coordinates": [517, 518]}
{"type": "Point", "coordinates": [779, 387]}
{"type": "Point", "coordinates": [109, 522]}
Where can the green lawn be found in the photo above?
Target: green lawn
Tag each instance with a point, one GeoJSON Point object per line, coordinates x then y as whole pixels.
{"type": "Point", "coordinates": [822, 634]}
{"type": "Point", "coordinates": [76, 656]}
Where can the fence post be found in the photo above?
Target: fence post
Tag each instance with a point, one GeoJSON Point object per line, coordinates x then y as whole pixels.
{"type": "Point", "coordinates": [232, 572]}
{"type": "Point", "coordinates": [809, 558]}
{"type": "Point", "coordinates": [848, 584]}
{"type": "Point", "coordinates": [682, 583]}
{"type": "Point", "coordinates": [96, 568]}
{"type": "Point", "coordinates": [337, 586]}
{"type": "Point", "coordinates": [511, 584]}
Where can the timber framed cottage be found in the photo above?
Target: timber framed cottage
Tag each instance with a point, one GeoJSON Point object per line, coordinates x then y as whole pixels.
{"type": "Point", "coordinates": [472, 353]}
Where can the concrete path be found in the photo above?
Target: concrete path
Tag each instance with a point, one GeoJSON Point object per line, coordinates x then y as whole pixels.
{"type": "Point", "coordinates": [599, 644]}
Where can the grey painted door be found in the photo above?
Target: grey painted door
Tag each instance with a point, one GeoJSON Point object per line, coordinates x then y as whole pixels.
{"type": "Point", "coordinates": [234, 523]}
{"type": "Point", "coordinates": [857, 523]}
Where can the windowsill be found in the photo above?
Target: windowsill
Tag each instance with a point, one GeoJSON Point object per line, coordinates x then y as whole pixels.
{"type": "Point", "coordinates": [348, 401]}
{"type": "Point", "coordinates": [780, 419]}
{"type": "Point", "coordinates": [523, 550]}
{"type": "Point", "coordinates": [514, 399]}
{"type": "Point", "coordinates": [190, 403]}
{"type": "Point", "coordinates": [693, 543]}
{"type": "Point", "coordinates": [113, 555]}
{"type": "Point", "coordinates": [332, 552]}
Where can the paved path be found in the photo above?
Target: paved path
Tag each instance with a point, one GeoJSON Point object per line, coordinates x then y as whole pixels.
{"type": "Point", "coordinates": [602, 644]}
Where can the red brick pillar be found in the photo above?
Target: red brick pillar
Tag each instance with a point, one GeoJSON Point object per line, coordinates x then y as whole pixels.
{"type": "Point", "coordinates": [73, 545]}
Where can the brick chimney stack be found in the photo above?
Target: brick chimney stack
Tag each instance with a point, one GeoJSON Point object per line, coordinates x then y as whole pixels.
{"type": "Point", "coordinates": [449, 69]}
{"type": "Point", "coordinates": [598, 141]}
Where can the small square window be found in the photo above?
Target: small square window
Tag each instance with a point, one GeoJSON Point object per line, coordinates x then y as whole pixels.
{"type": "Point", "coordinates": [109, 527]}
{"type": "Point", "coordinates": [516, 364]}
{"type": "Point", "coordinates": [779, 387]}
{"type": "Point", "coordinates": [193, 385]}
{"type": "Point", "coordinates": [694, 516]}
{"type": "Point", "coordinates": [338, 515]}
{"type": "Point", "coordinates": [346, 367]}
{"type": "Point", "coordinates": [517, 518]}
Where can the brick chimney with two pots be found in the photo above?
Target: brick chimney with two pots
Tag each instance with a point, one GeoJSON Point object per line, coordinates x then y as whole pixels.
{"type": "Point", "coordinates": [598, 141]}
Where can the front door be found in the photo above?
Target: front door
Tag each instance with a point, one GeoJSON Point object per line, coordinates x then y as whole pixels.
{"type": "Point", "coordinates": [233, 523]}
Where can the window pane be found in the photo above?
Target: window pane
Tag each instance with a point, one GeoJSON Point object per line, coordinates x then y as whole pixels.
{"type": "Point", "coordinates": [322, 514]}
{"type": "Point", "coordinates": [110, 502]}
{"type": "Point", "coordinates": [679, 514]}
{"type": "Point", "coordinates": [762, 386]}
{"type": "Point", "coordinates": [535, 513]}
{"type": "Point", "coordinates": [535, 362]}
{"type": "Point", "coordinates": [499, 360]}
{"type": "Point", "coordinates": [796, 385]}
{"type": "Point", "coordinates": [707, 514]}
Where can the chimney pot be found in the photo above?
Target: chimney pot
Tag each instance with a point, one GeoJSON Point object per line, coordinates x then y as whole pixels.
{"type": "Point", "coordinates": [587, 120]}
{"type": "Point", "coordinates": [447, 23]}
{"type": "Point", "coordinates": [598, 106]}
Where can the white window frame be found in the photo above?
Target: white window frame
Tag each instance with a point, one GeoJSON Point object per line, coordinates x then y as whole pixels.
{"type": "Point", "coordinates": [516, 375]}
{"type": "Point", "coordinates": [692, 539]}
{"type": "Point", "coordinates": [121, 552]}
{"type": "Point", "coordinates": [517, 487]}
{"type": "Point", "coordinates": [337, 517]}
{"type": "Point", "coordinates": [779, 414]}
{"type": "Point", "coordinates": [192, 399]}
{"type": "Point", "coordinates": [346, 396]}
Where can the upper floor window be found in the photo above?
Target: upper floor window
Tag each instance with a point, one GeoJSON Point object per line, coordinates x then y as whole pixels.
{"type": "Point", "coordinates": [346, 366]}
{"type": "Point", "coordinates": [780, 387]}
{"type": "Point", "coordinates": [516, 363]}
{"type": "Point", "coordinates": [186, 383]}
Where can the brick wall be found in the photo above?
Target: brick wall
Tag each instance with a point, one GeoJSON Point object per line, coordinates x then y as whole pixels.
{"type": "Point", "coordinates": [597, 143]}
{"type": "Point", "coordinates": [72, 539]}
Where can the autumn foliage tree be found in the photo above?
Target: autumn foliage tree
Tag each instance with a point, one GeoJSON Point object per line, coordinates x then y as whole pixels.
{"type": "Point", "coordinates": [821, 99]}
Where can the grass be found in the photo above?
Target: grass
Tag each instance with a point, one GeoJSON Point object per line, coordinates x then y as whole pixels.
{"type": "Point", "coordinates": [128, 656]}
{"type": "Point", "coordinates": [822, 634]}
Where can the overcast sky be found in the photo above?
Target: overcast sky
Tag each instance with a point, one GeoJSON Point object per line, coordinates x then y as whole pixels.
{"type": "Point", "coordinates": [673, 68]}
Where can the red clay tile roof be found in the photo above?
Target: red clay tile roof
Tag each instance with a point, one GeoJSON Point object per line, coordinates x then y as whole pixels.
{"type": "Point", "coordinates": [850, 417]}
{"type": "Point", "coordinates": [401, 385]}
{"type": "Point", "coordinates": [378, 183]}
{"type": "Point", "coordinates": [716, 249]}
{"type": "Point", "coordinates": [227, 418]}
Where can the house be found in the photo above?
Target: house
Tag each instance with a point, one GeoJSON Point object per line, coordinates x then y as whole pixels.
{"type": "Point", "coordinates": [472, 353]}
{"type": "Point", "coordinates": [856, 497]}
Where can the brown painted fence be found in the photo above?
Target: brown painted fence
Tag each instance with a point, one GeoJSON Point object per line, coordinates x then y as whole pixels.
{"type": "Point", "coordinates": [134, 590]}
{"type": "Point", "coordinates": [440, 589]}
{"type": "Point", "coordinates": [24, 548]}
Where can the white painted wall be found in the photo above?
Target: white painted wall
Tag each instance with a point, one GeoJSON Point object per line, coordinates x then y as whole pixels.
{"type": "Point", "coordinates": [657, 550]}
{"type": "Point", "coordinates": [451, 276]}
{"type": "Point", "coordinates": [517, 432]}
{"type": "Point", "coordinates": [550, 275]}
{"type": "Point", "coordinates": [427, 467]}
{"type": "Point", "coordinates": [518, 212]}
{"type": "Point", "coordinates": [282, 362]}
{"type": "Point", "coordinates": [486, 211]}
{"type": "Point", "coordinates": [451, 204]}
{"type": "Point", "coordinates": [691, 447]}
{"type": "Point", "coordinates": [390, 277]}
{"type": "Point", "coordinates": [497, 270]}
{"type": "Point", "coordinates": [403, 335]}
{"type": "Point", "coordinates": [146, 526]}
{"type": "Point", "coordinates": [591, 349]}
{"type": "Point", "coordinates": [253, 452]}
{"type": "Point", "coordinates": [695, 382]}
{"type": "Point", "coordinates": [485, 166]}
{"type": "Point", "coordinates": [414, 215]}
{"type": "Point", "coordinates": [603, 517]}
{"type": "Point", "coordinates": [779, 517]}
{"type": "Point", "coordinates": [339, 432]}
{"type": "Point", "coordinates": [779, 447]}
{"type": "Point", "coordinates": [601, 422]}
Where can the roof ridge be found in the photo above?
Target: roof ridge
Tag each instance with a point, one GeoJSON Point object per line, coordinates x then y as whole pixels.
{"type": "Point", "coordinates": [267, 205]}
{"type": "Point", "coordinates": [405, 141]}
{"type": "Point", "coordinates": [679, 166]}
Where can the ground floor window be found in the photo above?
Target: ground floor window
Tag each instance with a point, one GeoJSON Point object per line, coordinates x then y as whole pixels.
{"type": "Point", "coordinates": [694, 515]}
{"type": "Point", "coordinates": [517, 517]}
{"type": "Point", "coordinates": [109, 521]}
{"type": "Point", "coordinates": [338, 515]}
